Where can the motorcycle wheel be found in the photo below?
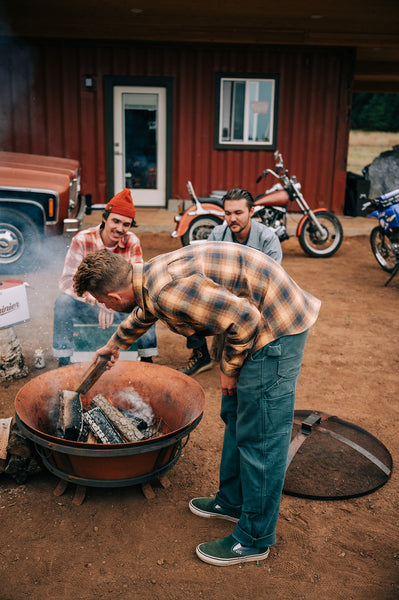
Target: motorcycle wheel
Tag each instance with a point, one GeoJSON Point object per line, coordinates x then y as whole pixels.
{"type": "Point", "coordinates": [200, 229]}
{"type": "Point", "coordinates": [312, 242]}
{"type": "Point", "coordinates": [382, 249]}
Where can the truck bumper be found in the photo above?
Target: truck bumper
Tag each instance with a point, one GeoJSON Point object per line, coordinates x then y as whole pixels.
{"type": "Point", "coordinates": [72, 226]}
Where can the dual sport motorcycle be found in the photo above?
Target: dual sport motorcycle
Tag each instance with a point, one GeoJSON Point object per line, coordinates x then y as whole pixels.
{"type": "Point", "coordinates": [384, 238]}
{"type": "Point", "coordinates": [319, 231]}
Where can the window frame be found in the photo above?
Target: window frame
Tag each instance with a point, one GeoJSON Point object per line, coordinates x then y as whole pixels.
{"type": "Point", "coordinates": [246, 77]}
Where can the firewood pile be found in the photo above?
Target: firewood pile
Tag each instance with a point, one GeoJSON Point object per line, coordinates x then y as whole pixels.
{"type": "Point", "coordinates": [18, 457]}
{"type": "Point", "coordinates": [12, 361]}
{"type": "Point", "coordinates": [102, 422]}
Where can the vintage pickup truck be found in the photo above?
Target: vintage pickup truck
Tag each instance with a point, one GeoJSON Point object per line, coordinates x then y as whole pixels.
{"type": "Point", "coordinates": [39, 196]}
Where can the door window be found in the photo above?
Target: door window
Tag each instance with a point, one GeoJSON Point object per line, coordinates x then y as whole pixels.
{"type": "Point", "coordinates": [140, 143]}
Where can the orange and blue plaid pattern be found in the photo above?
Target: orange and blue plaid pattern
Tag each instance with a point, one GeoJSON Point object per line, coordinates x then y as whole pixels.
{"type": "Point", "coordinates": [219, 287]}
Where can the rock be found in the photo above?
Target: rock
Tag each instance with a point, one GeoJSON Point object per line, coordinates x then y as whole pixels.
{"type": "Point", "coordinates": [383, 173]}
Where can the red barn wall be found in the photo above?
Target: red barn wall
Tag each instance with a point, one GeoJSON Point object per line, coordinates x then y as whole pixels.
{"type": "Point", "coordinates": [45, 109]}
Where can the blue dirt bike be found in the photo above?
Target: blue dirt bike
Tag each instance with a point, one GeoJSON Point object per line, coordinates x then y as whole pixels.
{"type": "Point", "coordinates": [384, 238]}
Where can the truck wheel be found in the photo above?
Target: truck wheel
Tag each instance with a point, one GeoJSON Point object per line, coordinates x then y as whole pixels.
{"type": "Point", "coordinates": [20, 241]}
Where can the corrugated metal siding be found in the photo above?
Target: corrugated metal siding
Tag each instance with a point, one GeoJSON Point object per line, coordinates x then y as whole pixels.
{"type": "Point", "coordinates": [46, 110]}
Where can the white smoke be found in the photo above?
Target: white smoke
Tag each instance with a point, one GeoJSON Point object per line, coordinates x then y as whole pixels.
{"type": "Point", "coordinates": [135, 404]}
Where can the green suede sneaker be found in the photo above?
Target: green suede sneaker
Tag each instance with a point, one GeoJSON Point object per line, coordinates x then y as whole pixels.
{"type": "Point", "coordinates": [228, 551]}
{"type": "Point", "coordinates": [207, 507]}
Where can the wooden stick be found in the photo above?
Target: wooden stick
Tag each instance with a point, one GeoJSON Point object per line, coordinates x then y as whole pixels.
{"type": "Point", "coordinates": [93, 373]}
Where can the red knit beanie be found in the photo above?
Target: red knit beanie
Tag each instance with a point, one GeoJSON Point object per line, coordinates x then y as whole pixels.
{"type": "Point", "coordinates": [122, 204]}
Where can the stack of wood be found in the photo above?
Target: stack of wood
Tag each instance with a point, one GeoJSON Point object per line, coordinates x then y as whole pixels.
{"type": "Point", "coordinates": [18, 457]}
{"type": "Point", "coordinates": [103, 423]}
{"type": "Point", "coordinates": [12, 362]}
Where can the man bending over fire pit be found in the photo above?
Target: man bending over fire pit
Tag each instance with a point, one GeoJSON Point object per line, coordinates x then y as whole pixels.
{"type": "Point", "coordinates": [114, 235]}
{"type": "Point", "coordinates": [264, 315]}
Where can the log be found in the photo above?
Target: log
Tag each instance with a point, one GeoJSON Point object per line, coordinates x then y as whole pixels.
{"type": "Point", "coordinates": [84, 434]}
{"type": "Point", "coordinates": [22, 460]}
{"type": "Point", "coordinates": [18, 444]}
{"type": "Point", "coordinates": [20, 468]}
{"type": "Point", "coordinates": [70, 420]}
{"type": "Point", "coordinates": [137, 421]}
{"type": "Point", "coordinates": [101, 426]}
{"type": "Point", "coordinates": [5, 426]}
{"type": "Point", "coordinates": [121, 423]}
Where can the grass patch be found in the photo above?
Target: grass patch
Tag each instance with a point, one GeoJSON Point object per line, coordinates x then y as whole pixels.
{"type": "Point", "coordinates": [365, 146]}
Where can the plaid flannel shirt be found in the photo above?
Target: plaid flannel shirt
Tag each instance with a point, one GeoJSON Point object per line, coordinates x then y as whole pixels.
{"type": "Point", "coordinates": [89, 240]}
{"type": "Point", "coordinates": [214, 288]}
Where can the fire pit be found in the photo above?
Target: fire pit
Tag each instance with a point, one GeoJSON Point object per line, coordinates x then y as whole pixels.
{"type": "Point", "coordinates": [176, 400]}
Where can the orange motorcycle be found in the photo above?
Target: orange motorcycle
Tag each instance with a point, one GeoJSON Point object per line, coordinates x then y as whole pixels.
{"type": "Point", "coordinates": [319, 231]}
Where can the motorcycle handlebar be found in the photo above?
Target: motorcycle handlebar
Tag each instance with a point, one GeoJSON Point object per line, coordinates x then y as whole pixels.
{"type": "Point", "coordinates": [265, 173]}
{"type": "Point", "coordinates": [261, 177]}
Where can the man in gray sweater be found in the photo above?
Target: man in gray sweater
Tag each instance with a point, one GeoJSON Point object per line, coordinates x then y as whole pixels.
{"type": "Point", "coordinates": [238, 227]}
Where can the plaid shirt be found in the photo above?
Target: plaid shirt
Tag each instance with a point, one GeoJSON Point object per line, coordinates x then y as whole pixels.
{"type": "Point", "coordinates": [214, 288]}
{"type": "Point", "coordinates": [89, 240]}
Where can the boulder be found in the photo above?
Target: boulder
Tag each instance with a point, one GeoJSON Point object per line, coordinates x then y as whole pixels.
{"type": "Point", "coordinates": [383, 173]}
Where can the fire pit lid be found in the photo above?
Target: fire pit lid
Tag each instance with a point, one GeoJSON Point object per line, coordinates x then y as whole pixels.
{"type": "Point", "coordinates": [332, 459]}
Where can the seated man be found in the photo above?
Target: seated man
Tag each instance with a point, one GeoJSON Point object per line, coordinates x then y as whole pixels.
{"type": "Point", "coordinates": [238, 227]}
{"type": "Point", "coordinates": [114, 235]}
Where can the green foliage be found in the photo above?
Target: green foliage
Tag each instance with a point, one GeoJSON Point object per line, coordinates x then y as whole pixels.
{"type": "Point", "coordinates": [375, 112]}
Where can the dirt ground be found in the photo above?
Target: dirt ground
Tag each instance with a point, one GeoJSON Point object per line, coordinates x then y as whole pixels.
{"type": "Point", "coordinates": [118, 544]}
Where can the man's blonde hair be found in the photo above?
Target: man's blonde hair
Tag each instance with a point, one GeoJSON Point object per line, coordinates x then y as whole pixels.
{"type": "Point", "coordinates": [102, 272]}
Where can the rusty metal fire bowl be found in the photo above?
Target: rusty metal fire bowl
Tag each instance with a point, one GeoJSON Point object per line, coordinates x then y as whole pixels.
{"type": "Point", "coordinates": [175, 399]}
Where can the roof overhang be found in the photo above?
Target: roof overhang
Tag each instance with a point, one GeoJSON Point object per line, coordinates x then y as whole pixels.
{"type": "Point", "coordinates": [371, 28]}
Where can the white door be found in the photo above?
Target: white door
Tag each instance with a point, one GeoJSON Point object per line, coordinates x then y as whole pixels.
{"type": "Point", "coordinates": [140, 143]}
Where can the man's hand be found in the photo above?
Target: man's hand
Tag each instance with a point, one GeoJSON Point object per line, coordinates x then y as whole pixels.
{"type": "Point", "coordinates": [105, 317]}
{"type": "Point", "coordinates": [228, 384]}
{"type": "Point", "coordinates": [111, 349]}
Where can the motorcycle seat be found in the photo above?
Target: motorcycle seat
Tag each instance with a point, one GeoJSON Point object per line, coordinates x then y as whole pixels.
{"type": "Point", "coordinates": [216, 201]}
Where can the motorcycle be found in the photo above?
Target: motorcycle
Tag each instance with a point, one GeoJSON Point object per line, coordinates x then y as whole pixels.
{"type": "Point", "coordinates": [196, 222]}
{"type": "Point", "coordinates": [319, 231]}
{"type": "Point", "coordinates": [384, 238]}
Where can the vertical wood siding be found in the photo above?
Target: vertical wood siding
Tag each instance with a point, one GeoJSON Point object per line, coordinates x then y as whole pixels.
{"type": "Point", "coordinates": [45, 109]}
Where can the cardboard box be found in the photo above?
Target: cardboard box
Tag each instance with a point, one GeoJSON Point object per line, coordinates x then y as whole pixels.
{"type": "Point", "coordinates": [14, 307]}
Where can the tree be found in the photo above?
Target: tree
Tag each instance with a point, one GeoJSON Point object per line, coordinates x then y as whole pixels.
{"type": "Point", "coordinates": [375, 112]}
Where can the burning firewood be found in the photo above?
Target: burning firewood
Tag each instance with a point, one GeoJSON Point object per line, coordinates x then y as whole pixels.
{"type": "Point", "coordinates": [101, 427]}
{"type": "Point", "coordinates": [70, 419]}
{"type": "Point", "coordinates": [125, 427]}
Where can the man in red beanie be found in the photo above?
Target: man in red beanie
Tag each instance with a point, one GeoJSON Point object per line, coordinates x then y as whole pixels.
{"type": "Point", "coordinates": [114, 235]}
